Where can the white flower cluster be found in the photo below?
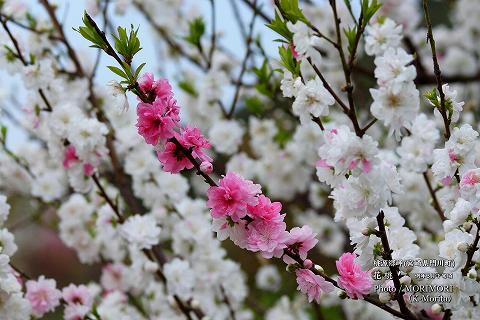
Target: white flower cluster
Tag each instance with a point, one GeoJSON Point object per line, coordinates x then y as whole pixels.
{"type": "Point", "coordinates": [13, 304]}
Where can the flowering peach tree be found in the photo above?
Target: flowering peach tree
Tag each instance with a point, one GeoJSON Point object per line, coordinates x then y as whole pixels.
{"type": "Point", "coordinates": [333, 177]}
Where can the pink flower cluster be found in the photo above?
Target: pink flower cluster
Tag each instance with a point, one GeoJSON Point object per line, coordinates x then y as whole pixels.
{"type": "Point", "coordinates": [352, 279]}
{"type": "Point", "coordinates": [70, 158]}
{"type": "Point", "coordinates": [43, 295]}
{"type": "Point", "coordinates": [312, 285]}
{"type": "Point", "coordinates": [158, 123]}
{"type": "Point", "coordinates": [253, 221]}
{"type": "Point", "coordinates": [79, 302]}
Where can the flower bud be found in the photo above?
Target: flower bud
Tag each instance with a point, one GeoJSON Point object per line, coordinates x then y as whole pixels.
{"type": "Point", "coordinates": [472, 273]}
{"type": "Point", "coordinates": [206, 167]}
{"type": "Point", "coordinates": [319, 268]}
{"type": "Point", "coordinates": [172, 302]}
{"type": "Point", "coordinates": [405, 280]}
{"type": "Point", "coordinates": [436, 309]}
{"type": "Point", "coordinates": [366, 232]}
{"type": "Point", "coordinates": [384, 297]}
{"type": "Point", "coordinates": [342, 294]}
{"type": "Point", "coordinates": [307, 264]}
{"type": "Point", "coordinates": [150, 266]}
{"type": "Point", "coordinates": [467, 225]}
{"type": "Point", "coordinates": [462, 246]}
{"type": "Point", "coordinates": [291, 267]}
{"type": "Point", "coordinates": [195, 304]}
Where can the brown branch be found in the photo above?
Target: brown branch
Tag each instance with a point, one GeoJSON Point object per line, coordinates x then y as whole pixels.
{"type": "Point", "coordinates": [348, 66]}
{"type": "Point", "coordinates": [471, 251]}
{"type": "Point", "coordinates": [227, 302]}
{"type": "Point", "coordinates": [256, 10]}
{"type": "Point", "coordinates": [150, 254]}
{"type": "Point", "coordinates": [51, 13]}
{"type": "Point", "coordinates": [368, 298]}
{"type": "Point", "coordinates": [23, 60]}
{"type": "Point", "coordinates": [435, 203]}
{"type": "Point", "coordinates": [213, 36]}
{"type": "Point", "coordinates": [31, 29]}
{"type": "Point", "coordinates": [387, 255]}
{"type": "Point", "coordinates": [437, 72]}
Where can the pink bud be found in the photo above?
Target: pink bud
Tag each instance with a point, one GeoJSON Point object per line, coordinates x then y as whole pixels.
{"type": "Point", "coordinates": [206, 167]}
{"type": "Point", "coordinates": [88, 169]}
{"type": "Point", "coordinates": [307, 264]}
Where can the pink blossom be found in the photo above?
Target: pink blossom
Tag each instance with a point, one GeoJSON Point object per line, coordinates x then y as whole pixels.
{"type": "Point", "coordinates": [112, 278]}
{"type": "Point", "coordinates": [352, 279]}
{"type": "Point", "coordinates": [77, 295]}
{"type": "Point", "coordinates": [266, 210]}
{"type": "Point", "coordinates": [312, 285]}
{"type": "Point", "coordinates": [268, 237]}
{"type": "Point", "coordinates": [153, 89]}
{"type": "Point", "coordinates": [88, 169]}
{"type": "Point", "coordinates": [69, 157]}
{"type": "Point", "coordinates": [173, 159]}
{"type": "Point", "coordinates": [367, 165]}
{"type": "Point", "coordinates": [232, 197]}
{"type": "Point", "coordinates": [192, 138]}
{"type": "Point", "coordinates": [453, 156]}
{"type": "Point", "coordinates": [294, 52]}
{"type": "Point", "coordinates": [206, 167]}
{"type": "Point", "coordinates": [307, 263]}
{"type": "Point", "coordinates": [323, 164]}
{"type": "Point", "coordinates": [157, 121]}
{"type": "Point", "coordinates": [236, 231]}
{"type": "Point", "coordinates": [432, 315]}
{"type": "Point", "coordinates": [75, 312]}
{"type": "Point", "coordinates": [446, 180]}
{"type": "Point", "coordinates": [300, 240]}
{"type": "Point", "coordinates": [469, 179]}
{"type": "Point", "coordinates": [42, 295]}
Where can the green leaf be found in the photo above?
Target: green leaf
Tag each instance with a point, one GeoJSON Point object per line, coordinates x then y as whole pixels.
{"type": "Point", "coordinates": [127, 44]}
{"type": "Point", "coordinates": [89, 32]}
{"type": "Point", "coordinates": [351, 34]}
{"type": "Point", "coordinates": [292, 11]}
{"type": "Point", "coordinates": [254, 105]}
{"type": "Point", "coordinates": [118, 71]}
{"type": "Point", "coordinates": [139, 69]}
{"type": "Point", "coordinates": [188, 87]}
{"type": "Point", "coordinates": [32, 22]}
{"type": "Point", "coordinates": [262, 72]}
{"type": "Point", "coordinates": [288, 61]}
{"type": "Point", "coordinates": [282, 137]}
{"type": "Point", "coordinates": [10, 55]}
{"type": "Point", "coordinates": [264, 75]}
{"type": "Point", "coordinates": [196, 31]}
{"type": "Point", "coordinates": [280, 26]}
{"type": "Point", "coordinates": [432, 96]}
{"type": "Point", "coordinates": [369, 8]}
{"type": "Point", "coordinates": [3, 133]}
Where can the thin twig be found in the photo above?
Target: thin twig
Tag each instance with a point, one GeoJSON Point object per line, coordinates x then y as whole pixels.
{"type": "Point", "coordinates": [257, 10]}
{"type": "Point", "coordinates": [213, 36]}
{"type": "Point", "coordinates": [437, 72]}
{"type": "Point", "coordinates": [24, 61]}
{"type": "Point", "coordinates": [51, 13]}
{"type": "Point", "coordinates": [238, 18]}
{"type": "Point", "coordinates": [348, 66]}
{"type": "Point", "coordinates": [387, 253]}
{"type": "Point", "coordinates": [244, 63]}
{"type": "Point", "coordinates": [226, 300]}
{"type": "Point", "coordinates": [435, 203]}
{"type": "Point", "coordinates": [471, 251]}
